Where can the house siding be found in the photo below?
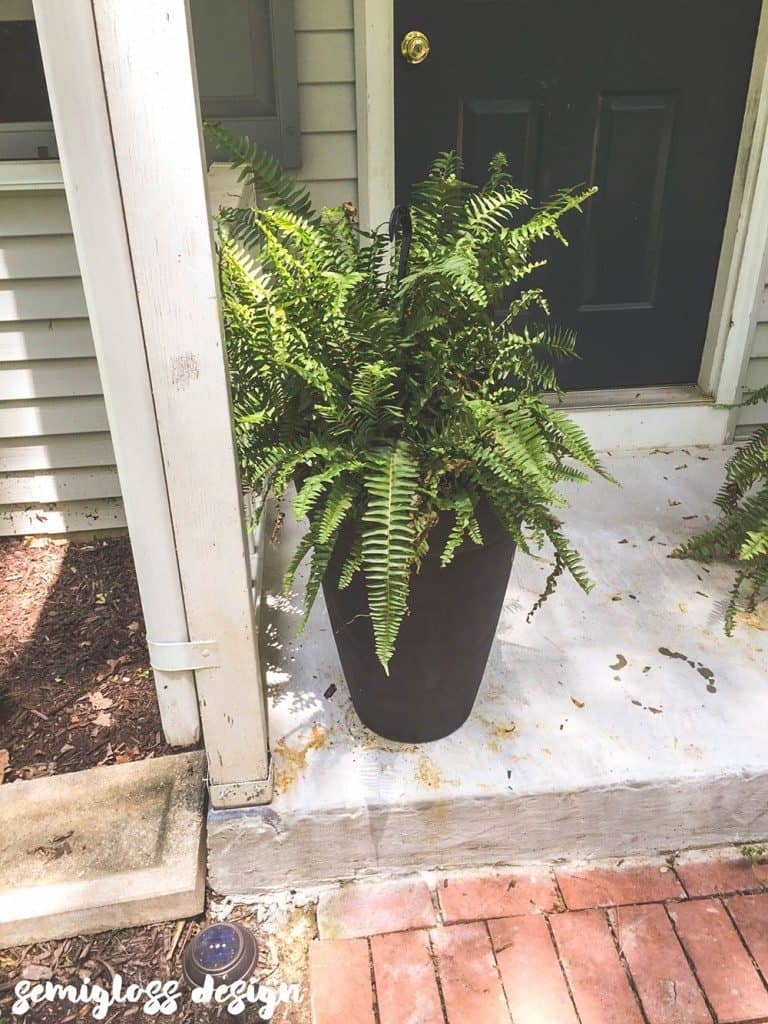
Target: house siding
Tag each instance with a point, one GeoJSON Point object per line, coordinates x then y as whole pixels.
{"type": "Point", "coordinates": [325, 51]}
{"type": "Point", "coordinates": [756, 374]}
{"type": "Point", "coordinates": [57, 466]}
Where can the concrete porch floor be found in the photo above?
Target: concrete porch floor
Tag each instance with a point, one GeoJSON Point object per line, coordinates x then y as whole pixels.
{"type": "Point", "coordinates": [616, 723]}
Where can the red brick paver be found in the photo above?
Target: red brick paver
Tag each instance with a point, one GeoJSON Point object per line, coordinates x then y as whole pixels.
{"type": "Point", "coordinates": [471, 985]}
{"type": "Point", "coordinates": [533, 979]}
{"type": "Point", "coordinates": [601, 887]}
{"type": "Point", "coordinates": [600, 988]}
{"type": "Point", "coordinates": [714, 875]}
{"type": "Point", "coordinates": [751, 916]}
{"type": "Point", "coordinates": [363, 909]}
{"type": "Point", "coordinates": [723, 966]}
{"type": "Point", "coordinates": [668, 990]}
{"type": "Point", "coordinates": [406, 986]}
{"type": "Point", "coordinates": [641, 952]}
{"type": "Point", "coordinates": [500, 895]}
{"type": "Point", "coordinates": [340, 982]}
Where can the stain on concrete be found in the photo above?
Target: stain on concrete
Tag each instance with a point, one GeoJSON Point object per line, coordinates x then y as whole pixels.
{"type": "Point", "coordinates": [498, 732]}
{"type": "Point", "coordinates": [58, 847]}
{"type": "Point", "coordinates": [647, 707]}
{"type": "Point", "coordinates": [757, 619]}
{"type": "Point", "coordinates": [673, 654]}
{"type": "Point", "coordinates": [293, 760]}
{"type": "Point", "coordinates": [429, 775]}
{"type": "Point", "coordinates": [699, 667]}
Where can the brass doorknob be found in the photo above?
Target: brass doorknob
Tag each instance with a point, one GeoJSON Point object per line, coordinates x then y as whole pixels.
{"type": "Point", "coordinates": [415, 47]}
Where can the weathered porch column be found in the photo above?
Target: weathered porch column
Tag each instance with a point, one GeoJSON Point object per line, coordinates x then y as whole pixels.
{"type": "Point", "coordinates": [123, 92]}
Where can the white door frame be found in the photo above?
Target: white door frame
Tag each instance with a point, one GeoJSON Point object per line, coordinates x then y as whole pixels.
{"type": "Point", "coordinates": [614, 417]}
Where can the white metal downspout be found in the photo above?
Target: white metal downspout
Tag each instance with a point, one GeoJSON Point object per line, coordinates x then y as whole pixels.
{"type": "Point", "coordinates": [73, 72]}
{"type": "Point", "coordinates": [123, 88]}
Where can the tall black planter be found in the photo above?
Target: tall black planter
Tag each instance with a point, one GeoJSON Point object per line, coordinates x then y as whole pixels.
{"type": "Point", "coordinates": [444, 641]}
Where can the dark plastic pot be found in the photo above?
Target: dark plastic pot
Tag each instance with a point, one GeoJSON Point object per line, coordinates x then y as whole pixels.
{"type": "Point", "coordinates": [444, 641]}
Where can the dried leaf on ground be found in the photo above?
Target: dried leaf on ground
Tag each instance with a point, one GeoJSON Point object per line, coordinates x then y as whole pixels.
{"type": "Point", "coordinates": [99, 702]}
{"type": "Point", "coordinates": [36, 972]}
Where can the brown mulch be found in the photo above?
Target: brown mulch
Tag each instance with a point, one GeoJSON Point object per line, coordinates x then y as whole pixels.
{"type": "Point", "coordinates": [138, 955]}
{"type": "Point", "coordinates": [141, 955]}
{"type": "Point", "coordinates": [76, 689]}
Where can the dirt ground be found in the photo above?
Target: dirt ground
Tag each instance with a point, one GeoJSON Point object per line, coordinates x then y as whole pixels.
{"type": "Point", "coordinates": [76, 689]}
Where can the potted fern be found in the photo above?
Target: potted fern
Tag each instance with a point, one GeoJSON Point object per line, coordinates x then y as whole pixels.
{"type": "Point", "coordinates": [401, 388]}
{"type": "Point", "coordinates": [742, 530]}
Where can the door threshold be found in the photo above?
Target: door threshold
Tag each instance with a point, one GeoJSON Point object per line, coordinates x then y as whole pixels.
{"type": "Point", "coordinates": [676, 415]}
{"type": "Point", "coordinates": [636, 398]}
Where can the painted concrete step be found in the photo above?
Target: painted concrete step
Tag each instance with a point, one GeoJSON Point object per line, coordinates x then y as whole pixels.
{"type": "Point", "coordinates": [616, 723]}
{"type": "Point", "coordinates": [105, 848]}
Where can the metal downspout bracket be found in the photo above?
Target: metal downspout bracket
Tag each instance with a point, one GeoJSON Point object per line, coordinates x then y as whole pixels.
{"type": "Point", "coordinates": [197, 655]}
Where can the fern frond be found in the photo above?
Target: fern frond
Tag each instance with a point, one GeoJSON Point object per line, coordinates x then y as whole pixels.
{"type": "Point", "coordinates": [742, 530]}
{"type": "Point", "coordinates": [466, 524]}
{"type": "Point", "coordinates": [338, 503]}
{"type": "Point", "coordinates": [391, 479]}
{"type": "Point", "coordinates": [314, 485]}
{"type": "Point", "coordinates": [352, 563]}
{"type": "Point", "coordinates": [261, 170]}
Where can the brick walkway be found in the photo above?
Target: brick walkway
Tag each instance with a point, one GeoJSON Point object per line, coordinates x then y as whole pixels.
{"type": "Point", "coordinates": [635, 943]}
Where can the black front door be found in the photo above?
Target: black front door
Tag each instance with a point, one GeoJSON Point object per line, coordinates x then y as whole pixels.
{"type": "Point", "coordinates": [644, 98]}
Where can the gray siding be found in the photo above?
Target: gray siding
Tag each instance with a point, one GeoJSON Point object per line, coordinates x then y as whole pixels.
{"type": "Point", "coordinates": [756, 375]}
{"type": "Point", "coordinates": [57, 470]}
{"type": "Point", "coordinates": [326, 60]}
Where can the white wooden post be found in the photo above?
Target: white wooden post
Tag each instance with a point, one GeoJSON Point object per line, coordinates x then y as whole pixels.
{"type": "Point", "coordinates": [375, 88]}
{"type": "Point", "coordinates": [148, 79]}
{"type": "Point", "coordinates": [72, 67]}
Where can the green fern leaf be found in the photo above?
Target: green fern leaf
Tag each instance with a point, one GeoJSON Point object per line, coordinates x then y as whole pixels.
{"type": "Point", "coordinates": [352, 563]}
{"type": "Point", "coordinates": [261, 170]}
{"type": "Point", "coordinates": [391, 479]}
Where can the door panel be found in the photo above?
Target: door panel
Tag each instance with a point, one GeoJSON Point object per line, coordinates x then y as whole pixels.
{"type": "Point", "coordinates": [623, 237]}
{"type": "Point", "coordinates": [646, 100]}
{"type": "Point", "coordinates": [482, 122]}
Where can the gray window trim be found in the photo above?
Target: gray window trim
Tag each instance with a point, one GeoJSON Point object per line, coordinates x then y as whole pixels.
{"type": "Point", "coordinates": [27, 140]}
{"type": "Point", "coordinates": [279, 133]}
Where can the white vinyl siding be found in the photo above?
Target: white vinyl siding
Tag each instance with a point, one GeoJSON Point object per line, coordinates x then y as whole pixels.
{"type": "Point", "coordinates": [57, 467]}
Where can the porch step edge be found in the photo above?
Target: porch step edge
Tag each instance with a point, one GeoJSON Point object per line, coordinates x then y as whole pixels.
{"type": "Point", "coordinates": [257, 849]}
